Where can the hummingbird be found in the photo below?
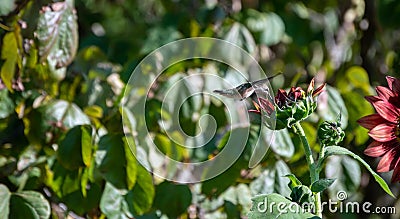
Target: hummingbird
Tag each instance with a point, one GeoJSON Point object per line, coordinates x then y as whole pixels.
{"type": "Point", "coordinates": [248, 89]}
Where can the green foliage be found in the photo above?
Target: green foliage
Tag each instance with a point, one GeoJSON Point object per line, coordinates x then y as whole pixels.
{"type": "Point", "coordinates": [25, 204]}
{"type": "Point", "coordinates": [62, 144]}
{"type": "Point", "coordinates": [302, 194]}
{"type": "Point", "coordinates": [57, 33]}
{"type": "Point", "coordinates": [321, 184]}
{"type": "Point", "coordinates": [172, 200]}
{"type": "Point", "coordinates": [336, 150]}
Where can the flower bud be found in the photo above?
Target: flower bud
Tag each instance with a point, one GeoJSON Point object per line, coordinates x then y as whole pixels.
{"type": "Point", "coordinates": [330, 133]}
{"type": "Point", "coordinates": [296, 105]}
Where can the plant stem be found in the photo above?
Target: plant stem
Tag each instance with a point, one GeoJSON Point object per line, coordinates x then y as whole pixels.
{"type": "Point", "coordinates": [314, 175]}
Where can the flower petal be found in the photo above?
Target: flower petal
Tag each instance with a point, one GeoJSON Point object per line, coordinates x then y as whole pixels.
{"type": "Point", "coordinates": [394, 84]}
{"type": "Point", "coordinates": [377, 149]}
{"type": "Point", "coordinates": [387, 111]}
{"type": "Point", "coordinates": [370, 121]}
{"type": "Point", "coordinates": [310, 88]}
{"type": "Point", "coordinates": [281, 98]}
{"type": "Point", "coordinates": [318, 90]}
{"type": "Point", "coordinates": [266, 105]}
{"type": "Point", "coordinates": [384, 92]}
{"type": "Point", "coordinates": [373, 99]}
{"type": "Point", "coordinates": [385, 164]}
{"type": "Point", "coordinates": [396, 173]}
{"type": "Point", "coordinates": [383, 132]}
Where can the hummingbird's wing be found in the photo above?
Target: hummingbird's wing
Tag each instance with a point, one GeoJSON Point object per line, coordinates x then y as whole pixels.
{"type": "Point", "coordinates": [241, 92]}
{"type": "Point", "coordinates": [247, 89]}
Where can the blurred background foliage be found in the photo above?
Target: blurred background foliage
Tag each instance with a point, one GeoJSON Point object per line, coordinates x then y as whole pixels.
{"type": "Point", "coordinates": [65, 65]}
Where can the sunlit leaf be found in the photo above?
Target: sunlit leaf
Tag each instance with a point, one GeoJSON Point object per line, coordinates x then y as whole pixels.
{"type": "Point", "coordinates": [69, 114]}
{"type": "Point", "coordinates": [117, 203]}
{"type": "Point", "coordinates": [6, 7]}
{"type": "Point", "coordinates": [94, 111]}
{"type": "Point", "coordinates": [9, 53]}
{"type": "Point", "coordinates": [6, 104]}
{"type": "Point", "coordinates": [281, 142]}
{"type": "Point", "coordinates": [57, 33]}
{"type": "Point", "coordinates": [141, 197]}
{"type": "Point", "coordinates": [240, 36]}
{"type": "Point", "coordinates": [347, 173]}
{"type": "Point", "coordinates": [113, 205]}
{"type": "Point", "coordinates": [64, 181]}
{"type": "Point", "coordinates": [29, 204]}
{"type": "Point", "coordinates": [272, 179]}
{"type": "Point", "coordinates": [5, 201]}
{"type": "Point", "coordinates": [131, 162]}
{"type": "Point", "coordinates": [269, 26]}
{"type": "Point", "coordinates": [293, 181]}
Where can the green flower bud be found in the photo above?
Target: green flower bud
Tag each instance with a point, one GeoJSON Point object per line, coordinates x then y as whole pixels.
{"type": "Point", "coordinates": [330, 133]}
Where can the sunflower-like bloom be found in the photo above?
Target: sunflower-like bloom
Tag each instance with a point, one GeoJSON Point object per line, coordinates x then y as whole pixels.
{"type": "Point", "coordinates": [384, 127]}
{"type": "Point", "coordinates": [291, 107]}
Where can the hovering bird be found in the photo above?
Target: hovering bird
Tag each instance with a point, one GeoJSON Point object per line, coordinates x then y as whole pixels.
{"type": "Point", "coordinates": [248, 89]}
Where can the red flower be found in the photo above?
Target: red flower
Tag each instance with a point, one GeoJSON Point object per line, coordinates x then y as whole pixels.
{"type": "Point", "coordinates": [384, 127]}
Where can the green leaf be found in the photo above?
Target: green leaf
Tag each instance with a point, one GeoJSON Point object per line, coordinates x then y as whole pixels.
{"type": "Point", "coordinates": [131, 162]}
{"type": "Point", "coordinates": [140, 198]}
{"type": "Point", "coordinates": [111, 160]}
{"type": "Point", "coordinates": [9, 53]}
{"type": "Point", "coordinates": [5, 201]}
{"type": "Point", "coordinates": [337, 150]}
{"type": "Point", "coordinates": [57, 33]}
{"type": "Point", "coordinates": [6, 104]}
{"type": "Point", "coordinates": [321, 184]}
{"type": "Point", "coordinates": [80, 204]}
{"type": "Point", "coordinates": [347, 173]}
{"type": "Point", "coordinates": [29, 204]}
{"type": "Point", "coordinates": [158, 36]}
{"type": "Point", "coordinates": [173, 200]}
{"type": "Point", "coordinates": [86, 144]}
{"type": "Point", "coordinates": [293, 181]}
{"type": "Point", "coordinates": [232, 210]}
{"type": "Point", "coordinates": [272, 179]}
{"type": "Point", "coordinates": [113, 204]}
{"type": "Point", "coordinates": [302, 194]}
{"type": "Point", "coordinates": [222, 182]}
{"type": "Point", "coordinates": [117, 203]}
{"type": "Point", "coordinates": [69, 114]}
{"type": "Point", "coordinates": [6, 6]}
{"type": "Point", "coordinates": [281, 142]}
{"type": "Point", "coordinates": [94, 111]}
{"type": "Point", "coordinates": [169, 147]}
{"type": "Point", "coordinates": [75, 149]}
{"type": "Point", "coordinates": [239, 35]}
{"type": "Point", "coordinates": [270, 26]}
{"type": "Point", "coordinates": [262, 203]}
{"type": "Point", "coordinates": [64, 181]}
